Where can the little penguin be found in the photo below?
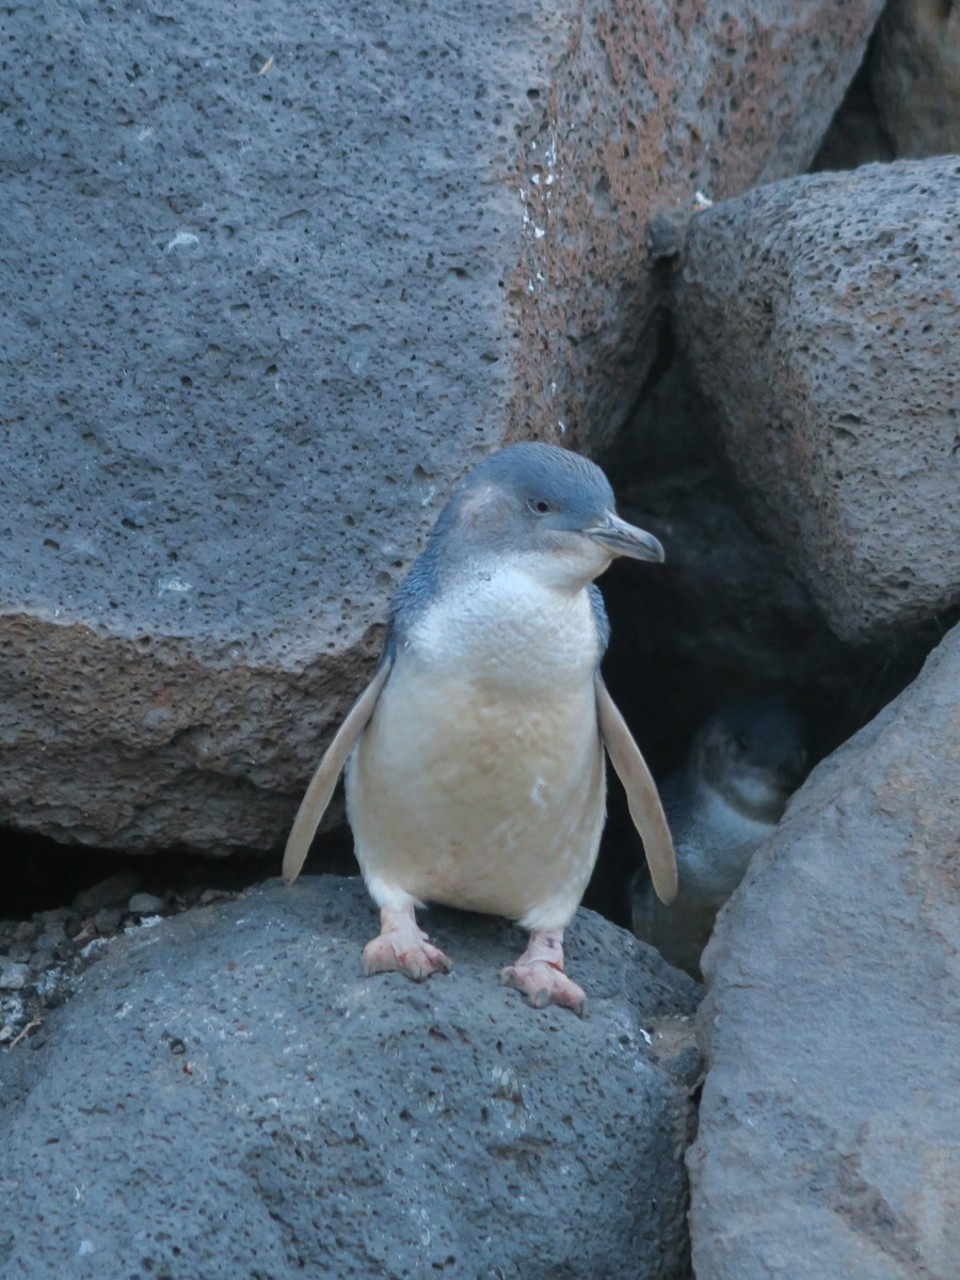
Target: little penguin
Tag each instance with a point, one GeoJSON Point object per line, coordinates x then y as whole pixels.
{"type": "Point", "coordinates": [475, 757]}
{"type": "Point", "coordinates": [743, 765]}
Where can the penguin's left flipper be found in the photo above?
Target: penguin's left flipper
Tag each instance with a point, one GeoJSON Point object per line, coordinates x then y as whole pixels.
{"type": "Point", "coordinates": [643, 799]}
{"type": "Point", "coordinates": [324, 781]}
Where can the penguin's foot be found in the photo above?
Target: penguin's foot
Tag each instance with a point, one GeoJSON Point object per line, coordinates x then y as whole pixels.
{"type": "Point", "coordinates": [539, 975]}
{"type": "Point", "coordinates": [402, 947]}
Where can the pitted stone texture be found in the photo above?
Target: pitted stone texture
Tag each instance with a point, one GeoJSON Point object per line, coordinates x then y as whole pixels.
{"type": "Point", "coordinates": [915, 73]}
{"type": "Point", "coordinates": [649, 104]}
{"type": "Point", "coordinates": [272, 280]}
{"type": "Point", "coordinates": [821, 317]}
{"type": "Point", "coordinates": [227, 1096]}
{"type": "Point", "coordinates": [829, 1137]}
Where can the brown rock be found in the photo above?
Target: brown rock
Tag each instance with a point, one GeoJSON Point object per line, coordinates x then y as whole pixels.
{"type": "Point", "coordinates": [829, 1139]}
{"type": "Point", "coordinates": [821, 317]}
{"type": "Point", "coordinates": [649, 104]}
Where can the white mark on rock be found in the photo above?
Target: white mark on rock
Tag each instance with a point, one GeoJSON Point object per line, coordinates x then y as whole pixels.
{"type": "Point", "coordinates": [95, 945]}
{"type": "Point", "coordinates": [146, 922]}
{"type": "Point", "coordinates": [182, 240]}
{"type": "Point", "coordinates": [175, 585]}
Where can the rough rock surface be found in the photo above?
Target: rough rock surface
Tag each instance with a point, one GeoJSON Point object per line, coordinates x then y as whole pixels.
{"type": "Point", "coordinates": [819, 316]}
{"type": "Point", "coordinates": [227, 1096]}
{"type": "Point", "coordinates": [915, 72]}
{"type": "Point", "coordinates": [829, 1139]}
{"type": "Point", "coordinates": [271, 281]}
{"type": "Point", "coordinates": [47, 953]}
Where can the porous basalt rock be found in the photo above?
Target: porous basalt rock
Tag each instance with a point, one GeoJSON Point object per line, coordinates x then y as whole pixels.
{"type": "Point", "coordinates": [228, 1096]}
{"type": "Point", "coordinates": [829, 1136]}
{"type": "Point", "coordinates": [271, 282]}
{"type": "Point", "coordinates": [819, 316]}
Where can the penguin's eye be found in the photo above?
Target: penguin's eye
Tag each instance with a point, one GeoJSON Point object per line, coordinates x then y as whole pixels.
{"type": "Point", "coordinates": [742, 744]}
{"type": "Point", "coordinates": [538, 506]}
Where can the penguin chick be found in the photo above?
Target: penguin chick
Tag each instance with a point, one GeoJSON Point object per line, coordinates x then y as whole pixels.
{"type": "Point", "coordinates": [744, 763]}
{"type": "Point", "coordinates": [475, 757]}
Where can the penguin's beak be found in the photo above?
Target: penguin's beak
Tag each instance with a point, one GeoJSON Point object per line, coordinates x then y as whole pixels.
{"type": "Point", "coordinates": [626, 539]}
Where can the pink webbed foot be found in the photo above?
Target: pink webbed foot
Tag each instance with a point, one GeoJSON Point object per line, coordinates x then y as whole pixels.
{"type": "Point", "coordinates": [539, 974]}
{"type": "Point", "coordinates": [402, 947]}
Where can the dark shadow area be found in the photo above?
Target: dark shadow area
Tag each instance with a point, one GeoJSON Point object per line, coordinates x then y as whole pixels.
{"type": "Point", "coordinates": [42, 875]}
{"type": "Point", "coordinates": [856, 135]}
{"type": "Point", "coordinates": [722, 619]}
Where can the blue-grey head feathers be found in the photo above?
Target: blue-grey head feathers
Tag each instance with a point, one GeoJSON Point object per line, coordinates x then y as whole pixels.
{"type": "Point", "coordinates": [563, 480]}
{"type": "Point", "coordinates": [766, 731]}
{"type": "Point", "coordinates": [510, 498]}
{"type": "Point", "coordinates": [753, 737]}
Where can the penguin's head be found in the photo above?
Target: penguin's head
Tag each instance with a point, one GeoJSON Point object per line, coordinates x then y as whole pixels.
{"type": "Point", "coordinates": [752, 752]}
{"type": "Point", "coordinates": [549, 508]}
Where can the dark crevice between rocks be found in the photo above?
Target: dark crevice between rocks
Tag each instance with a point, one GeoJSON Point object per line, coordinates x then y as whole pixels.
{"type": "Point", "coordinates": [856, 134]}
{"type": "Point", "coordinates": [44, 875]}
{"type": "Point", "coordinates": [60, 903]}
{"type": "Point", "coordinates": [723, 618]}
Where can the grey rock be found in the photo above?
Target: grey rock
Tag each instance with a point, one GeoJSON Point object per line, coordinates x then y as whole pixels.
{"type": "Point", "coordinates": [107, 893]}
{"type": "Point", "coordinates": [53, 936]}
{"type": "Point", "coordinates": [145, 904]}
{"type": "Point", "coordinates": [228, 1096]}
{"type": "Point", "coordinates": [915, 74]}
{"type": "Point", "coordinates": [271, 281]}
{"type": "Point", "coordinates": [39, 963]}
{"type": "Point", "coordinates": [108, 920]}
{"type": "Point", "coordinates": [819, 316]}
{"type": "Point", "coordinates": [829, 1134]}
{"type": "Point", "coordinates": [13, 974]}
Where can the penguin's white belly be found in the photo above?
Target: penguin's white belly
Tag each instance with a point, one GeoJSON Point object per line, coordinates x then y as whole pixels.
{"type": "Point", "coordinates": [484, 791]}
